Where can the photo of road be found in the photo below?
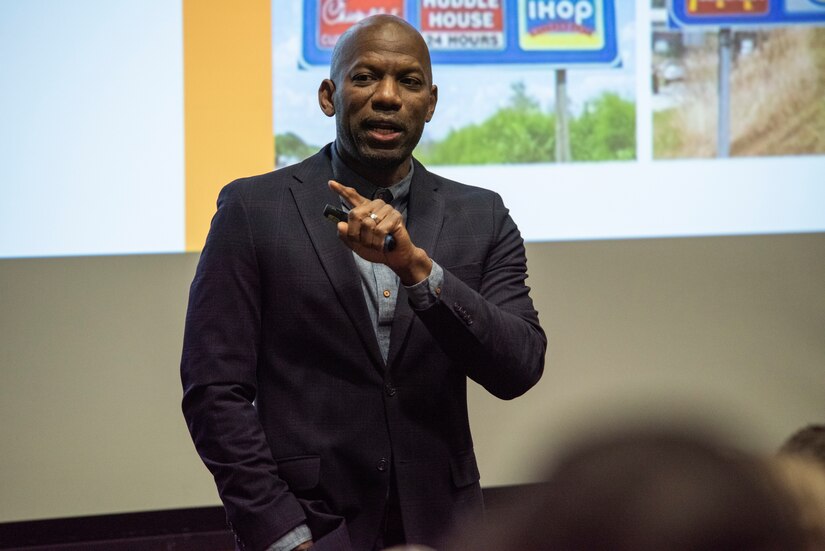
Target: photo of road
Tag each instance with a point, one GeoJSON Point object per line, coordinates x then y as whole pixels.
{"type": "Point", "coordinates": [776, 91]}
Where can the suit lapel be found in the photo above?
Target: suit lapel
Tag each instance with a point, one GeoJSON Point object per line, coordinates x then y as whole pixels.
{"type": "Point", "coordinates": [425, 215]}
{"type": "Point", "coordinates": [311, 193]}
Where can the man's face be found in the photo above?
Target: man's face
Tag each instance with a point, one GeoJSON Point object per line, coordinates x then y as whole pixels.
{"type": "Point", "coordinates": [381, 94]}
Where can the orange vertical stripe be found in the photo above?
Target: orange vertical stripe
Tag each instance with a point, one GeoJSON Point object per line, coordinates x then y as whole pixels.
{"type": "Point", "coordinates": [227, 60]}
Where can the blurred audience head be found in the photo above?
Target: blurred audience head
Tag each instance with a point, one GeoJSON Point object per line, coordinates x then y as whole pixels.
{"type": "Point", "coordinates": [800, 467]}
{"type": "Point", "coordinates": [808, 441]}
{"type": "Point", "coordinates": [648, 490]}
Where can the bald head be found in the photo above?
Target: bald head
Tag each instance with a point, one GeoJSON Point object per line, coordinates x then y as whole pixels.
{"type": "Point", "coordinates": [381, 93]}
{"type": "Point", "coordinates": [385, 27]}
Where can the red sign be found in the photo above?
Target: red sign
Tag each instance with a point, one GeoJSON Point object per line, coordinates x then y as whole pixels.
{"type": "Point", "coordinates": [336, 16]}
{"type": "Point", "coordinates": [728, 7]}
{"type": "Point", "coordinates": [463, 24]}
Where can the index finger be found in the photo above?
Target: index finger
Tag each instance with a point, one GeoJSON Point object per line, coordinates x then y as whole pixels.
{"type": "Point", "coordinates": [349, 194]}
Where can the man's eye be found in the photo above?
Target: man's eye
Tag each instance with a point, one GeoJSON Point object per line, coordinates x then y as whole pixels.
{"type": "Point", "coordinates": [410, 81]}
{"type": "Point", "coordinates": [362, 77]}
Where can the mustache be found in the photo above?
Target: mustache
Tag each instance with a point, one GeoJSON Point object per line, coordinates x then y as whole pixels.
{"type": "Point", "coordinates": [383, 122]}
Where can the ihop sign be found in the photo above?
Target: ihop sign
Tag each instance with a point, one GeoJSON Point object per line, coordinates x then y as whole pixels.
{"type": "Point", "coordinates": [561, 24]}
{"type": "Point", "coordinates": [559, 33]}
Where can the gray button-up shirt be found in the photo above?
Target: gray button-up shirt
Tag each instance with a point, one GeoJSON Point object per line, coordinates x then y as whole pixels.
{"type": "Point", "coordinates": [378, 281]}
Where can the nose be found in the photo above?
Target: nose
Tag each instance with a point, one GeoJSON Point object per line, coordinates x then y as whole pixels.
{"type": "Point", "coordinates": [386, 96]}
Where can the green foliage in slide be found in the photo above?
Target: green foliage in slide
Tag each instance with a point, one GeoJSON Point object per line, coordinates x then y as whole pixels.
{"type": "Point", "coordinates": [520, 132]}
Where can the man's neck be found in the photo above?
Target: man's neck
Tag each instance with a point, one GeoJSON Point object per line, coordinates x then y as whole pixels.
{"type": "Point", "coordinates": [381, 177]}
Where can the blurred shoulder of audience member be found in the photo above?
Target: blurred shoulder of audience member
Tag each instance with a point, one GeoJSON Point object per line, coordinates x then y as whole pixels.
{"type": "Point", "coordinates": [808, 441]}
{"type": "Point", "coordinates": [805, 480]}
{"type": "Point", "coordinates": [645, 490]}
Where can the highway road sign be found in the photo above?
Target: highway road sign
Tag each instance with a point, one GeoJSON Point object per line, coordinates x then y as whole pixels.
{"type": "Point", "coordinates": [559, 33]}
{"type": "Point", "coordinates": [750, 13]}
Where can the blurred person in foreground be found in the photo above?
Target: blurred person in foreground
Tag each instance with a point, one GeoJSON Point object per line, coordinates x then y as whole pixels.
{"type": "Point", "coordinates": [804, 479]}
{"type": "Point", "coordinates": [808, 441]}
{"type": "Point", "coordinates": [324, 371]}
{"type": "Point", "coordinates": [800, 466]}
{"type": "Point", "coordinates": [648, 491]}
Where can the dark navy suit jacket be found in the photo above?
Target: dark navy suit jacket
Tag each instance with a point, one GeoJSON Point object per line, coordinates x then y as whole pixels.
{"type": "Point", "coordinates": [286, 395]}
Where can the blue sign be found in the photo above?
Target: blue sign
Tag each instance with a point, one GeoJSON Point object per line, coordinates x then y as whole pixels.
{"type": "Point", "coordinates": [749, 13]}
{"type": "Point", "coordinates": [560, 33]}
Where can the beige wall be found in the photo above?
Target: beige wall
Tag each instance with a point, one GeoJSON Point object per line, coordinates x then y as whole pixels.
{"type": "Point", "coordinates": [730, 330]}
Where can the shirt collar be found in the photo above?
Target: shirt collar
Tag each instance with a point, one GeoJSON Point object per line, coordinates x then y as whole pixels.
{"type": "Point", "coordinates": [343, 174]}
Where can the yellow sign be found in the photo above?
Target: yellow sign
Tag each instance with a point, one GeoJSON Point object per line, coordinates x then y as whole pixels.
{"type": "Point", "coordinates": [561, 24]}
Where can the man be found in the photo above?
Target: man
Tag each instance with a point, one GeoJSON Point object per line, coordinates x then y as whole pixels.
{"type": "Point", "coordinates": [324, 372]}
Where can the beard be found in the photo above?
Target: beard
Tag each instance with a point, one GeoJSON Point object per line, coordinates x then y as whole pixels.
{"type": "Point", "coordinates": [356, 145]}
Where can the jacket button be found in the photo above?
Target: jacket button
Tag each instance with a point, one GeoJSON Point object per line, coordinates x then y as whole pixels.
{"type": "Point", "coordinates": [389, 389]}
{"type": "Point", "coordinates": [382, 465]}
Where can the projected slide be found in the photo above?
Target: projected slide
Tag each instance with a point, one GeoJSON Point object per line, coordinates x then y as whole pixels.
{"type": "Point", "coordinates": [636, 155]}
{"type": "Point", "coordinates": [91, 127]}
{"type": "Point", "coordinates": [594, 119]}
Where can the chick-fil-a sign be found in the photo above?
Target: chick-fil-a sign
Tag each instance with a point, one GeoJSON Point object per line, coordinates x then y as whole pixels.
{"type": "Point", "coordinates": [336, 16]}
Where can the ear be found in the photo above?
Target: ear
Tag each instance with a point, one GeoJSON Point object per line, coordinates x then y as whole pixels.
{"type": "Point", "coordinates": [433, 101]}
{"type": "Point", "coordinates": [325, 92]}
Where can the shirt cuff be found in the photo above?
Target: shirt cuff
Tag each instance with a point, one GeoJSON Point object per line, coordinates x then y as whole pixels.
{"type": "Point", "coordinates": [426, 292]}
{"type": "Point", "coordinates": [292, 539]}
